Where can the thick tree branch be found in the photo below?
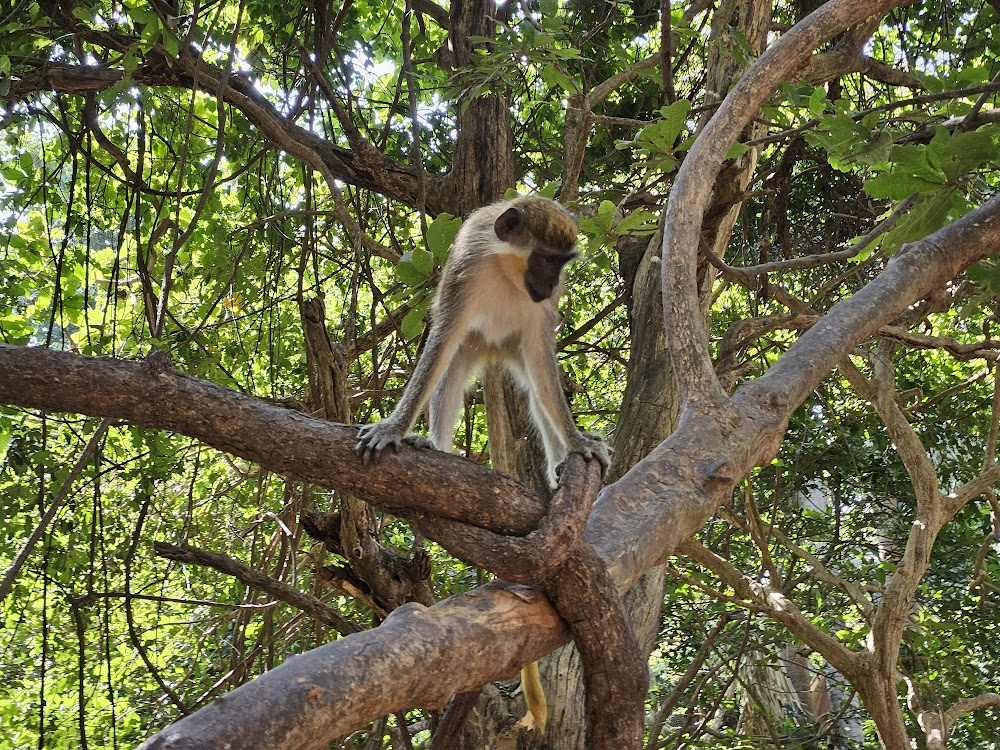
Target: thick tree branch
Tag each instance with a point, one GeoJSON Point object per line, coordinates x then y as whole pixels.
{"type": "Point", "coordinates": [153, 394]}
{"type": "Point", "coordinates": [848, 56]}
{"type": "Point", "coordinates": [409, 660]}
{"type": "Point", "coordinates": [636, 522]}
{"type": "Point", "coordinates": [967, 705]}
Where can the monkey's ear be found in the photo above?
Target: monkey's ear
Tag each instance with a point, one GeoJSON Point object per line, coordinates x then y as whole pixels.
{"type": "Point", "coordinates": [509, 226]}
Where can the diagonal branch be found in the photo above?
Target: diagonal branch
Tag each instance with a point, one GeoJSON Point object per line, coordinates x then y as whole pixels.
{"type": "Point", "coordinates": [364, 166]}
{"type": "Point", "coordinates": [780, 607]}
{"type": "Point", "coordinates": [964, 706]}
{"type": "Point", "coordinates": [847, 56]}
{"type": "Point", "coordinates": [278, 589]}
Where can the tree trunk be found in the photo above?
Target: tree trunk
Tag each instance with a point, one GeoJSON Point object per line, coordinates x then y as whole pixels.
{"type": "Point", "coordinates": [483, 168]}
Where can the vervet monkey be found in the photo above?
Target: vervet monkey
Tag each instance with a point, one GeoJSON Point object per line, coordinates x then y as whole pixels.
{"type": "Point", "coordinates": [497, 301]}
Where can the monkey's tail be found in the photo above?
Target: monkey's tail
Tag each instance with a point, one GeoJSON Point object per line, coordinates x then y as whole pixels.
{"type": "Point", "coordinates": [534, 696]}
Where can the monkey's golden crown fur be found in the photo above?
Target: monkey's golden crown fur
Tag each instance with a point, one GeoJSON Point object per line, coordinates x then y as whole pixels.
{"type": "Point", "coordinates": [549, 222]}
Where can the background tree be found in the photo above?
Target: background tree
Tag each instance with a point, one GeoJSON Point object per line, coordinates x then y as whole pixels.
{"type": "Point", "coordinates": [266, 195]}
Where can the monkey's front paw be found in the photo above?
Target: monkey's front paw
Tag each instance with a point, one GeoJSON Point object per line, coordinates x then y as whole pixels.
{"type": "Point", "coordinates": [372, 438]}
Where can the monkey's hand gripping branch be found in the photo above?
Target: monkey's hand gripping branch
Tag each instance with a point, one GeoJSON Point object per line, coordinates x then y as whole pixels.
{"type": "Point", "coordinates": [373, 438]}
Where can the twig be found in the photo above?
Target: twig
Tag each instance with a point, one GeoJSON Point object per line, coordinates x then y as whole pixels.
{"type": "Point", "coordinates": [289, 594]}
{"type": "Point", "coordinates": [22, 557]}
{"type": "Point", "coordinates": [449, 730]}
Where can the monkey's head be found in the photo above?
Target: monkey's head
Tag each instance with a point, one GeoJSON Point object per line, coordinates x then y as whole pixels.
{"type": "Point", "coordinates": [546, 232]}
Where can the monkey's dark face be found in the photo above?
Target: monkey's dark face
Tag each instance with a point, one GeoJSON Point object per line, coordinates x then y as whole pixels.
{"type": "Point", "coordinates": [546, 233]}
{"type": "Point", "coordinates": [541, 275]}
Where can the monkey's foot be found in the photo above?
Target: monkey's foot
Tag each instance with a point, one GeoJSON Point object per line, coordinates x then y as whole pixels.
{"type": "Point", "coordinates": [419, 441]}
{"type": "Point", "coordinates": [591, 447]}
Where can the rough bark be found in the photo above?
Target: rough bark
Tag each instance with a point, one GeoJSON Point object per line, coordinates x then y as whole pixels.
{"type": "Point", "coordinates": [483, 168]}
{"type": "Point", "coordinates": [153, 394]}
{"type": "Point", "coordinates": [382, 579]}
{"type": "Point", "coordinates": [734, 24]}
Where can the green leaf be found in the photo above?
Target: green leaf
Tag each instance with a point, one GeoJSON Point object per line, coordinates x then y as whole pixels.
{"type": "Point", "coordinates": [928, 215]}
{"type": "Point", "coordinates": [413, 321]}
{"type": "Point", "coordinates": [639, 221]}
{"type": "Point", "coordinates": [674, 118]}
{"type": "Point", "coordinates": [548, 7]}
{"type": "Point", "coordinates": [170, 43]}
{"type": "Point", "coordinates": [441, 234]}
{"type": "Point", "coordinates": [143, 15]}
{"type": "Point", "coordinates": [736, 151]}
{"type": "Point", "coordinates": [919, 161]}
{"type": "Point", "coordinates": [423, 261]}
{"type": "Point", "coordinates": [899, 185]}
{"type": "Point", "coordinates": [566, 53]}
{"type": "Point", "coordinates": [14, 176]}
{"type": "Point", "coordinates": [968, 151]}
{"type": "Point", "coordinates": [407, 272]}
{"type": "Point", "coordinates": [548, 190]}
{"type": "Point", "coordinates": [818, 101]}
{"type": "Point", "coordinates": [150, 34]}
{"type": "Point", "coordinates": [840, 136]}
{"type": "Point", "coordinates": [554, 77]}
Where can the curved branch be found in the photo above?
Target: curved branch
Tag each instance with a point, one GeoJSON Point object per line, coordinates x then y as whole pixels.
{"type": "Point", "coordinates": [777, 605]}
{"type": "Point", "coordinates": [965, 706]}
{"type": "Point", "coordinates": [913, 273]}
{"type": "Point", "coordinates": [339, 687]}
{"type": "Point", "coordinates": [688, 342]}
{"type": "Point", "coordinates": [309, 604]}
{"type": "Point", "coordinates": [364, 166]}
{"type": "Point", "coordinates": [848, 56]}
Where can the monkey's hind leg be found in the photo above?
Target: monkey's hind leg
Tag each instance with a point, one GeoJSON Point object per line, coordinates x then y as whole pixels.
{"type": "Point", "coordinates": [392, 431]}
{"type": "Point", "coordinates": [446, 401]}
